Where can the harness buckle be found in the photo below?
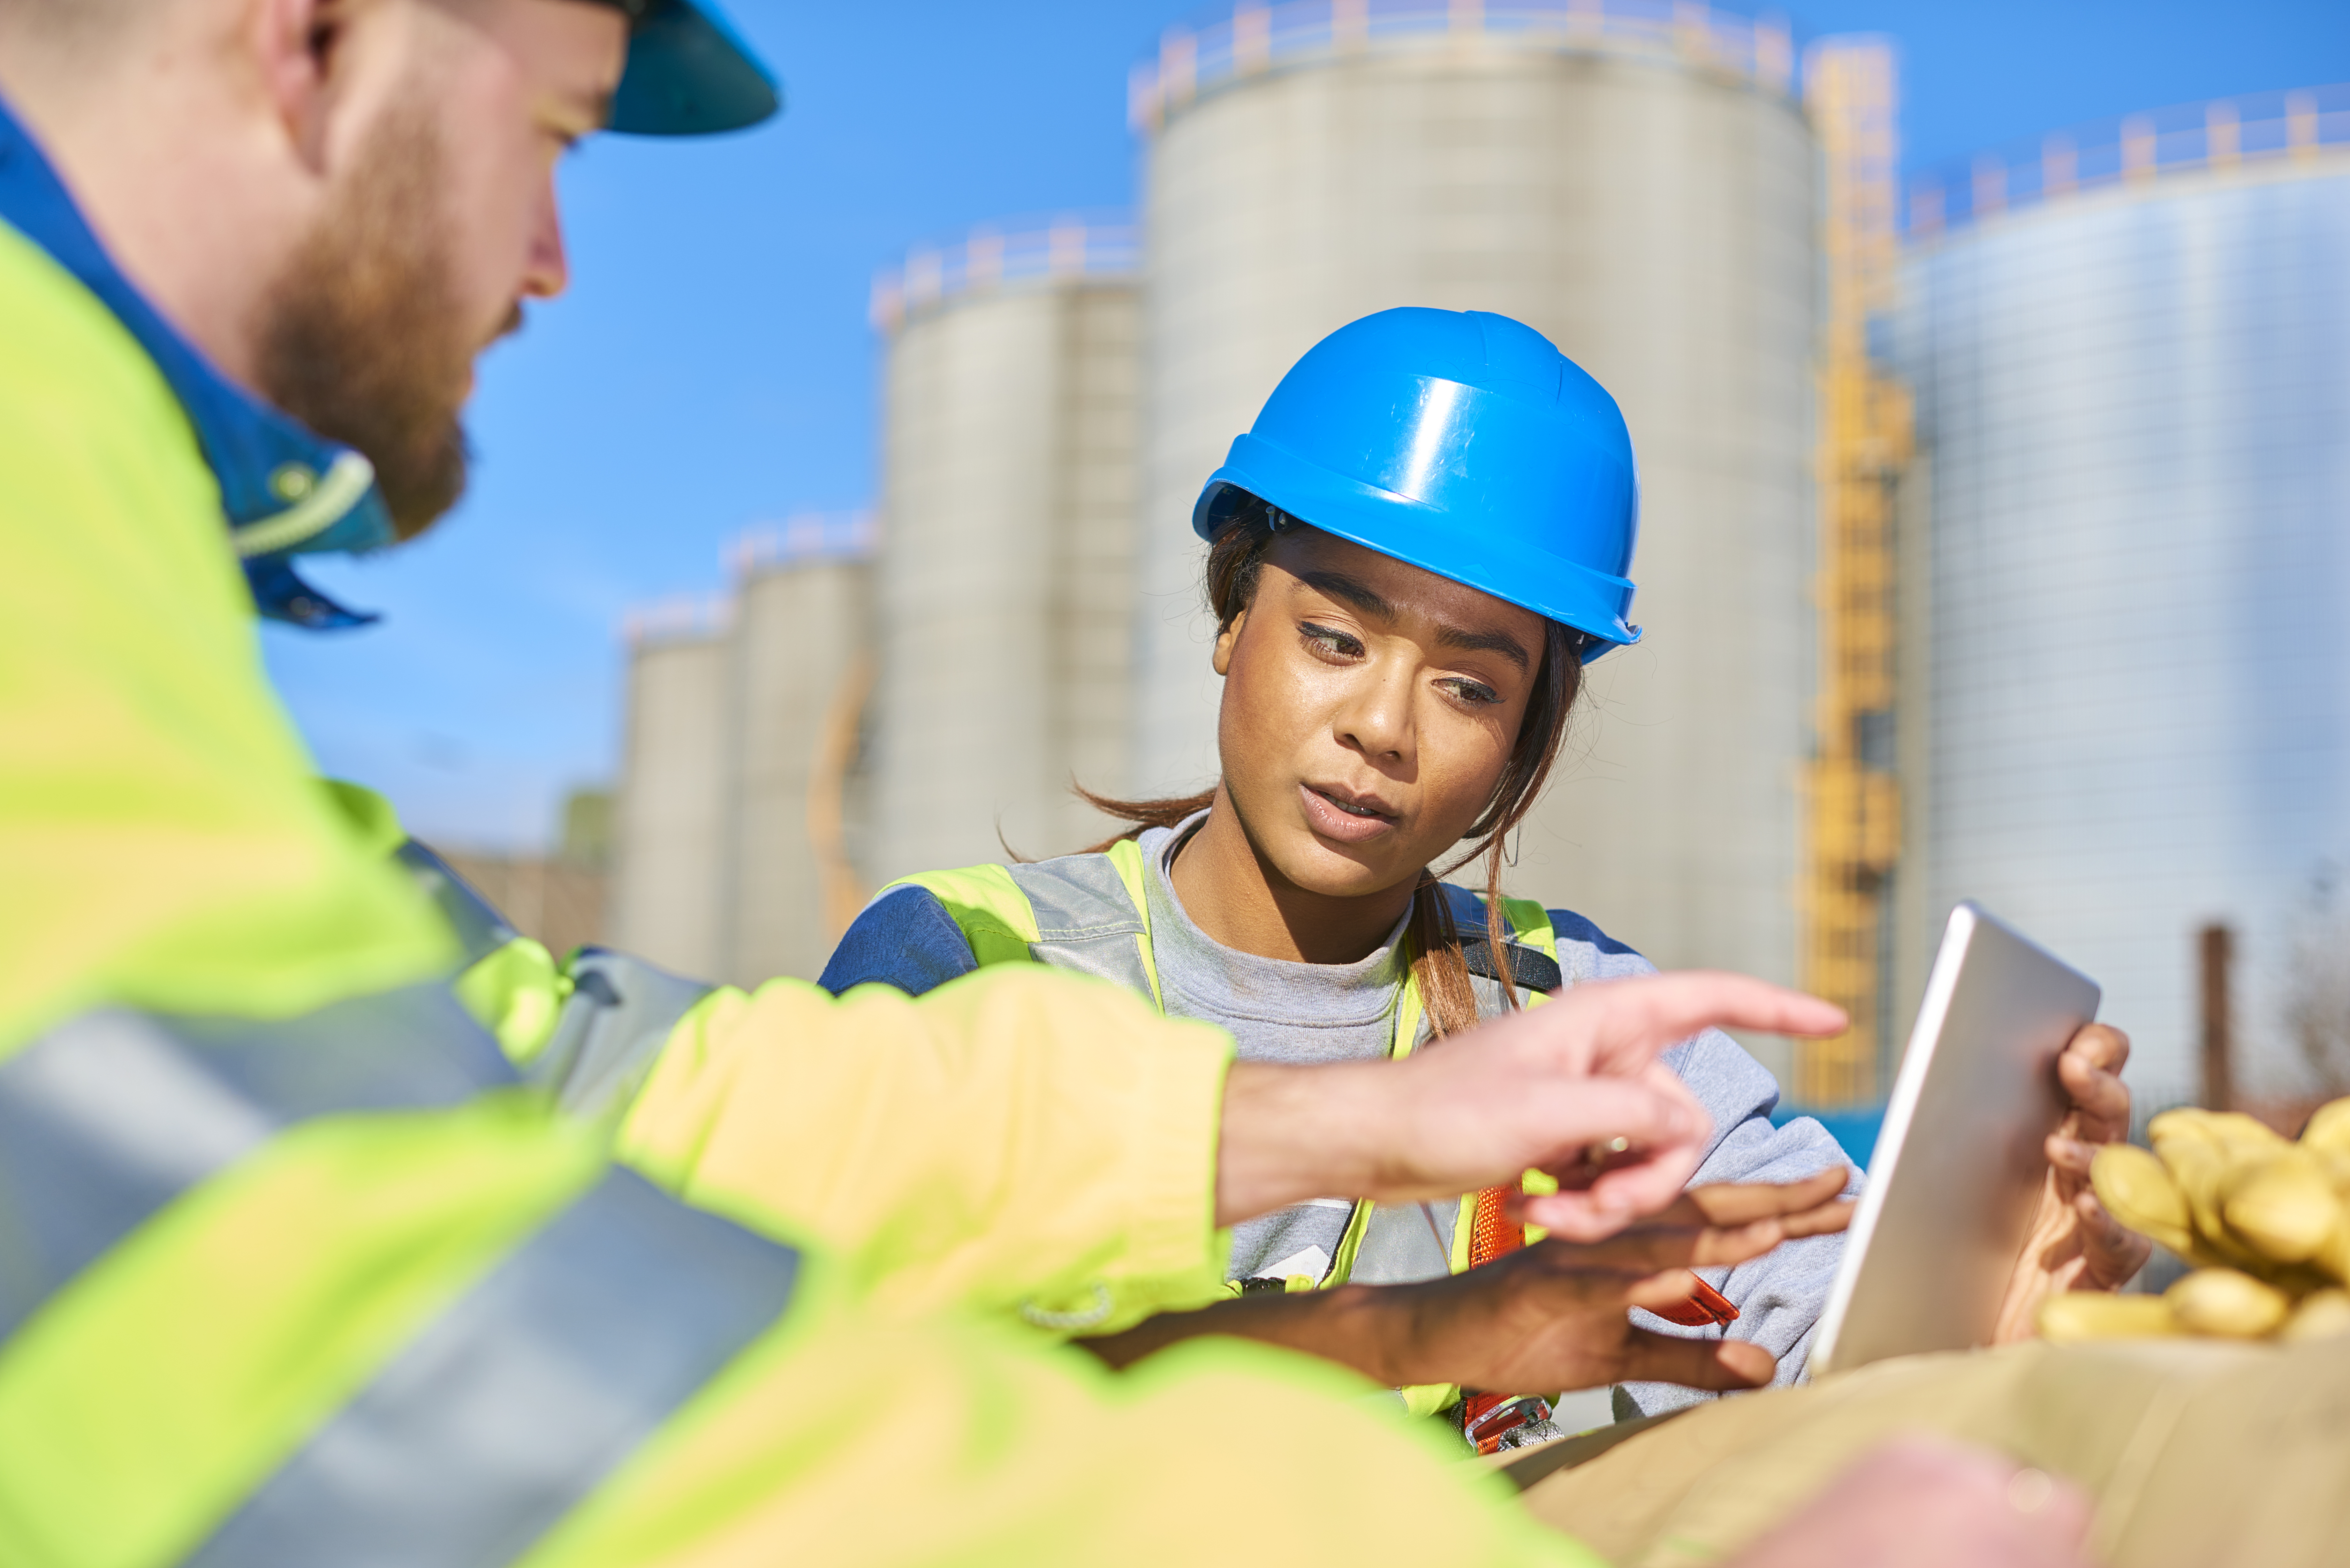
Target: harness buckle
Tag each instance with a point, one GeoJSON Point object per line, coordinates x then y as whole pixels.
{"type": "Point", "coordinates": [1485, 1432]}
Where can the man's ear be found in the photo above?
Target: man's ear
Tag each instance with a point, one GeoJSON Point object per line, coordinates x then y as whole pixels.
{"type": "Point", "coordinates": [1225, 640]}
{"type": "Point", "coordinates": [297, 48]}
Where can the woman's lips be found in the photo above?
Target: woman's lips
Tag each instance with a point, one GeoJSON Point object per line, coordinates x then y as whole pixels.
{"type": "Point", "coordinates": [1327, 817]}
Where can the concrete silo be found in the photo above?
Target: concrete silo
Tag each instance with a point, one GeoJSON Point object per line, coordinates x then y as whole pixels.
{"type": "Point", "coordinates": [2131, 351]}
{"type": "Point", "coordinates": [1636, 180]}
{"type": "Point", "coordinates": [670, 828]}
{"type": "Point", "coordinates": [1004, 581]}
{"type": "Point", "coordinates": [800, 672]}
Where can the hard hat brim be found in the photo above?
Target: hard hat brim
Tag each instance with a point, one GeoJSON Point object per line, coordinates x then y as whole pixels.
{"type": "Point", "coordinates": [1592, 602]}
{"type": "Point", "coordinates": [689, 73]}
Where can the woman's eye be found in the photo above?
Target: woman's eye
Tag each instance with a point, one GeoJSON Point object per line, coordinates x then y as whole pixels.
{"type": "Point", "coordinates": [1329, 642]}
{"type": "Point", "coordinates": [1475, 691]}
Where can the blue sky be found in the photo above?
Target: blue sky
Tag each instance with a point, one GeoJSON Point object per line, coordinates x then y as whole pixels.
{"type": "Point", "coordinates": [712, 366]}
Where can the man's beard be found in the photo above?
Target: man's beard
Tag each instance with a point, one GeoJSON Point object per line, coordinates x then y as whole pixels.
{"type": "Point", "coordinates": [363, 340]}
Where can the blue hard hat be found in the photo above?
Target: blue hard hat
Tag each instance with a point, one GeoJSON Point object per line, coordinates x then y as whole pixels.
{"type": "Point", "coordinates": [689, 72]}
{"type": "Point", "coordinates": [1460, 443]}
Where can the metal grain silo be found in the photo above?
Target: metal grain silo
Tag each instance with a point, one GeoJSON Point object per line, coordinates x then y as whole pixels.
{"type": "Point", "coordinates": [1005, 580]}
{"type": "Point", "coordinates": [670, 828]}
{"type": "Point", "coordinates": [800, 669]}
{"type": "Point", "coordinates": [1636, 180]}
{"type": "Point", "coordinates": [2131, 350]}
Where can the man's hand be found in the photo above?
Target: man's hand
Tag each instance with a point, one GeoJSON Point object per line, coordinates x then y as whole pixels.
{"type": "Point", "coordinates": [1538, 1090]}
{"type": "Point", "coordinates": [2076, 1245]}
{"type": "Point", "coordinates": [1923, 1503]}
{"type": "Point", "coordinates": [1547, 1318]}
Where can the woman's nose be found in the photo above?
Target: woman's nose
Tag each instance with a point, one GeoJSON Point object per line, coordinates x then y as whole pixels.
{"type": "Point", "coordinates": [1376, 717]}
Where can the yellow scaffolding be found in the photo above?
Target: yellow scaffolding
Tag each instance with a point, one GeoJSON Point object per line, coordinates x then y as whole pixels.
{"type": "Point", "coordinates": [1852, 804]}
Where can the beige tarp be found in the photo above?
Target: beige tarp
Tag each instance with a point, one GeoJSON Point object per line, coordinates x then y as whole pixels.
{"type": "Point", "coordinates": [2198, 1453]}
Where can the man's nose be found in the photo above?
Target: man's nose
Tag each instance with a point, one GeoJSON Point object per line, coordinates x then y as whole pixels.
{"type": "Point", "coordinates": [548, 272]}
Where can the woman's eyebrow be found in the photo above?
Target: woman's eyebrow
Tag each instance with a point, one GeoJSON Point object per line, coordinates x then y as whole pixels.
{"type": "Point", "coordinates": [1500, 642]}
{"type": "Point", "coordinates": [1339, 586]}
{"type": "Point", "coordinates": [1364, 597]}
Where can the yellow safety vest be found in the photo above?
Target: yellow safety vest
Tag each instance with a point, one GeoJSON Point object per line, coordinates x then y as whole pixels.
{"type": "Point", "coordinates": [1089, 913]}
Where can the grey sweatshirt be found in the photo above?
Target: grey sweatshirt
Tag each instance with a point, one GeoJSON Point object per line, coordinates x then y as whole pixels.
{"type": "Point", "coordinates": [1302, 1012]}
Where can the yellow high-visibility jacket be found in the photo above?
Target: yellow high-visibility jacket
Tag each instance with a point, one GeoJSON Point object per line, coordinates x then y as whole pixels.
{"type": "Point", "coordinates": [293, 1269]}
{"type": "Point", "coordinates": [876, 1126]}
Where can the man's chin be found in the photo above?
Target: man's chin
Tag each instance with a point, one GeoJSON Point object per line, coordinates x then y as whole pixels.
{"type": "Point", "coordinates": [422, 489]}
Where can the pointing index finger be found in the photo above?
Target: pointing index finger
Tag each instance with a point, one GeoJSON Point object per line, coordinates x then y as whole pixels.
{"type": "Point", "coordinates": [1631, 1019]}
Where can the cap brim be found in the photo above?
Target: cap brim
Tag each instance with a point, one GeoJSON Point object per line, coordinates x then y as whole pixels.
{"type": "Point", "coordinates": [691, 74]}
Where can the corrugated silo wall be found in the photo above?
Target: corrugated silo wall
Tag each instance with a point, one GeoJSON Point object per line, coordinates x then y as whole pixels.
{"type": "Point", "coordinates": [1004, 583]}
{"type": "Point", "coordinates": [1657, 221]}
{"type": "Point", "coordinates": [669, 837]}
{"type": "Point", "coordinates": [2137, 407]}
{"type": "Point", "coordinates": [801, 630]}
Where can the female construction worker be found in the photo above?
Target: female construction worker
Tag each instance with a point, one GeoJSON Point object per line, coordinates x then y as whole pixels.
{"type": "Point", "coordinates": [1412, 555]}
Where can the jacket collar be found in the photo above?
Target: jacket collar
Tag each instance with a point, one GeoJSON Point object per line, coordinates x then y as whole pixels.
{"type": "Point", "coordinates": [286, 491]}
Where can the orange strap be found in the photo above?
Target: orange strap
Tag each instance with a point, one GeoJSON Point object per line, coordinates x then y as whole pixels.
{"type": "Point", "coordinates": [1704, 1306]}
{"type": "Point", "coordinates": [1492, 1235]}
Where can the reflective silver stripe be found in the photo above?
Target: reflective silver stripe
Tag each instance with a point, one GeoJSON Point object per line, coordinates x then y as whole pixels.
{"type": "Point", "coordinates": [1086, 919]}
{"type": "Point", "coordinates": [620, 1015]}
{"type": "Point", "coordinates": [106, 1119]}
{"type": "Point", "coordinates": [481, 930]}
{"type": "Point", "coordinates": [1406, 1243]}
{"type": "Point", "coordinates": [510, 1408]}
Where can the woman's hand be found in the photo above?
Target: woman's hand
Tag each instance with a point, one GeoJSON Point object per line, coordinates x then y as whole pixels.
{"type": "Point", "coordinates": [2076, 1245]}
{"type": "Point", "coordinates": [1553, 1316]}
{"type": "Point", "coordinates": [1542, 1320]}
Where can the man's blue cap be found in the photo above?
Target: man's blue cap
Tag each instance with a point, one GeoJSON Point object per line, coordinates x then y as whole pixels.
{"type": "Point", "coordinates": [689, 72]}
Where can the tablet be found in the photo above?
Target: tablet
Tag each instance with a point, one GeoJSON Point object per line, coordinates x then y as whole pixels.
{"type": "Point", "coordinates": [1958, 1166]}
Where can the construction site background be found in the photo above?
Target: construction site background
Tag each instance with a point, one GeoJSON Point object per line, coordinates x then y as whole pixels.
{"type": "Point", "coordinates": [1992, 547]}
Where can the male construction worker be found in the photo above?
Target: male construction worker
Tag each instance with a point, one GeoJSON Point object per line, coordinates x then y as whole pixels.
{"type": "Point", "coordinates": [293, 1268]}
